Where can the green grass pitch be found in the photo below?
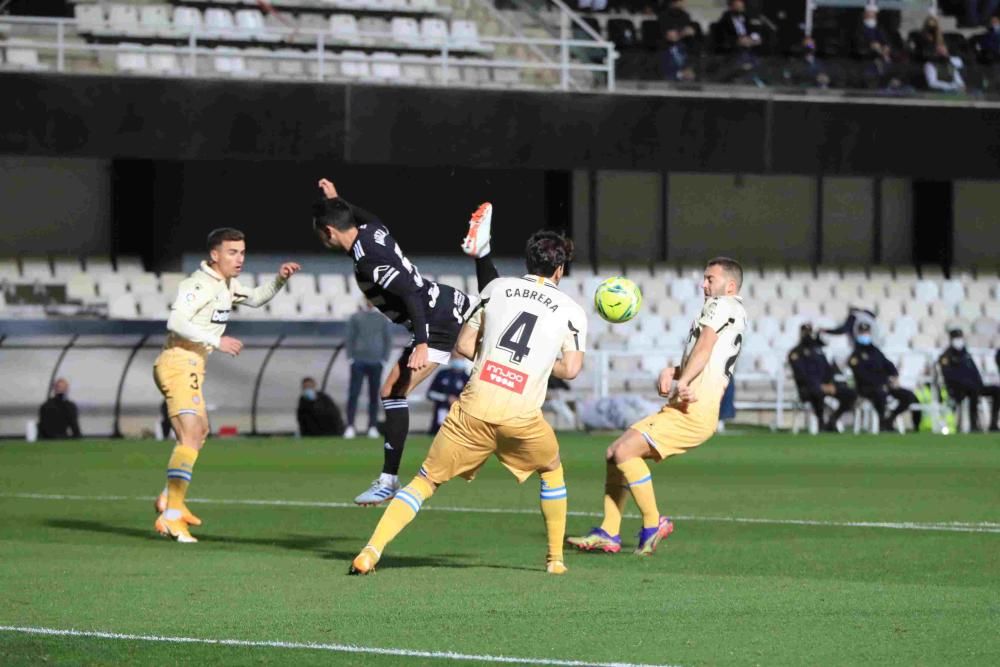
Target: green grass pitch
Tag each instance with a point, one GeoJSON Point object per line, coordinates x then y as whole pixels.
{"type": "Point", "coordinates": [767, 564]}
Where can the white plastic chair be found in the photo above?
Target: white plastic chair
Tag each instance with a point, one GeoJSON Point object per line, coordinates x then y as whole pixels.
{"type": "Point", "coordinates": [131, 58]}
{"type": "Point", "coordinates": [344, 27]}
{"type": "Point", "coordinates": [355, 65]}
{"type": "Point", "coordinates": [465, 33]}
{"type": "Point", "coordinates": [89, 18]}
{"type": "Point", "coordinates": [926, 291]}
{"type": "Point", "coordinates": [952, 291]}
{"type": "Point", "coordinates": [433, 31]}
{"type": "Point", "coordinates": [187, 19]}
{"type": "Point", "coordinates": [219, 22]}
{"type": "Point", "coordinates": [405, 30]}
{"type": "Point", "coordinates": [24, 57]}
{"type": "Point", "coordinates": [81, 287]}
{"type": "Point", "coordinates": [155, 19]}
{"type": "Point", "coordinates": [385, 66]}
{"type": "Point", "coordinates": [165, 63]}
{"type": "Point", "coordinates": [124, 19]}
{"type": "Point", "coordinates": [122, 307]}
{"type": "Point", "coordinates": [144, 283]}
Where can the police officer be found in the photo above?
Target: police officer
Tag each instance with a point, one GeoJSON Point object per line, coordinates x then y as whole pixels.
{"type": "Point", "coordinates": [816, 378]}
{"type": "Point", "coordinates": [445, 390]}
{"type": "Point", "coordinates": [876, 378]}
{"type": "Point", "coordinates": [962, 379]}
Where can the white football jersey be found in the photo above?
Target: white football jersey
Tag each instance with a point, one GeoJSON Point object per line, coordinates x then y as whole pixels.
{"type": "Point", "coordinates": [727, 317]}
{"type": "Point", "coordinates": [524, 324]}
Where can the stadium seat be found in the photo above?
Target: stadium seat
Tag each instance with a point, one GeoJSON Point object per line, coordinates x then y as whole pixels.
{"type": "Point", "coordinates": [314, 308]}
{"type": "Point", "coordinates": [342, 306]}
{"type": "Point", "coordinates": [250, 22]}
{"type": "Point", "coordinates": [923, 341]}
{"type": "Point", "coordinates": [89, 18]}
{"type": "Point", "coordinates": [888, 309]}
{"type": "Point", "coordinates": [131, 58]}
{"type": "Point", "coordinates": [165, 63]}
{"type": "Point", "coordinates": [169, 282]}
{"type": "Point", "coordinates": [124, 19]}
{"type": "Point", "coordinates": [506, 76]}
{"type": "Point", "coordinates": [187, 19]}
{"type": "Point", "coordinates": [35, 268]}
{"type": "Point", "coordinates": [219, 23]}
{"type": "Point", "coordinates": [9, 269]}
{"type": "Point", "coordinates": [344, 27]}
{"type": "Point", "coordinates": [464, 33]}
{"type": "Point", "coordinates": [438, 73]}
{"type": "Point", "coordinates": [985, 326]}
{"type": "Point", "coordinates": [156, 20]}
{"type": "Point", "coordinates": [332, 284]}
{"type": "Point", "coordinates": [433, 31]}
{"type": "Point", "coordinates": [355, 65]}
{"type": "Point", "coordinates": [80, 287]}
{"type": "Point", "coordinates": [792, 290]}
{"type": "Point", "coordinates": [385, 66]}
{"type": "Point", "coordinates": [679, 325]}
{"type": "Point", "coordinates": [926, 291]}
{"type": "Point", "coordinates": [968, 310]}
{"type": "Point", "coordinates": [122, 307]}
{"type": "Point", "coordinates": [952, 291]}
{"type": "Point", "coordinates": [111, 285]}
{"type": "Point", "coordinates": [24, 57]}
{"type": "Point", "coordinates": [301, 285]}
{"type": "Point", "coordinates": [283, 308]}
{"type": "Point", "coordinates": [144, 283]}
{"type": "Point", "coordinates": [291, 64]}
{"type": "Point", "coordinates": [904, 327]}
{"type": "Point", "coordinates": [64, 267]}
{"type": "Point", "coordinates": [766, 326]}
{"type": "Point", "coordinates": [651, 323]}
{"type": "Point", "coordinates": [405, 30]}
{"type": "Point", "coordinates": [230, 62]}
{"type": "Point", "coordinates": [128, 265]}
{"type": "Point", "coordinates": [96, 266]}
{"type": "Point", "coordinates": [153, 307]}
{"type": "Point", "coordinates": [423, 5]}
{"type": "Point", "coordinates": [991, 308]}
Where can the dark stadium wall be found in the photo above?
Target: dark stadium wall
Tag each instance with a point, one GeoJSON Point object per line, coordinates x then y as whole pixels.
{"type": "Point", "coordinates": [977, 223]}
{"type": "Point", "coordinates": [426, 208]}
{"type": "Point", "coordinates": [54, 206]}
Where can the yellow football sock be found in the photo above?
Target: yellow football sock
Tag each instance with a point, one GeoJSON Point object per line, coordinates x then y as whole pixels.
{"type": "Point", "coordinates": [615, 495]}
{"type": "Point", "coordinates": [553, 501]}
{"type": "Point", "coordinates": [179, 470]}
{"type": "Point", "coordinates": [640, 483]}
{"type": "Point", "coordinates": [400, 512]}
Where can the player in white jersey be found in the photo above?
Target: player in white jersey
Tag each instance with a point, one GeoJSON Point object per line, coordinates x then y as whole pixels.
{"type": "Point", "coordinates": [515, 336]}
{"type": "Point", "coordinates": [693, 391]}
{"type": "Point", "coordinates": [195, 327]}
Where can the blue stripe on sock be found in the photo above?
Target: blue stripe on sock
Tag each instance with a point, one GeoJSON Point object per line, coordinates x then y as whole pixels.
{"type": "Point", "coordinates": [176, 473]}
{"type": "Point", "coordinates": [558, 496]}
{"type": "Point", "coordinates": [409, 500]}
{"type": "Point", "coordinates": [557, 488]}
{"type": "Point", "coordinates": [641, 481]}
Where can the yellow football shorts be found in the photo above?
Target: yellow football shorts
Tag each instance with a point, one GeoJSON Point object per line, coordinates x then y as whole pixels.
{"type": "Point", "coordinates": [673, 431]}
{"type": "Point", "coordinates": [179, 376]}
{"type": "Point", "coordinates": [464, 443]}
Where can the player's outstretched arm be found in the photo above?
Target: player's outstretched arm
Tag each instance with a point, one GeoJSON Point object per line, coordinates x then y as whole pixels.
{"type": "Point", "coordinates": [696, 363]}
{"type": "Point", "coordinates": [569, 366]}
{"type": "Point", "coordinates": [466, 343]}
{"type": "Point", "coordinates": [256, 298]}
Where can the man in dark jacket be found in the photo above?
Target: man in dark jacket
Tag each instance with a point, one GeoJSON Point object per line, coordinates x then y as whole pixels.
{"type": "Point", "coordinates": [876, 378]}
{"type": "Point", "coordinates": [963, 380]}
{"type": "Point", "coordinates": [445, 390]}
{"type": "Point", "coordinates": [816, 378]}
{"type": "Point", "coordinates": [317, 413]}
{"type": "Point", "coordinates": [58, 417]}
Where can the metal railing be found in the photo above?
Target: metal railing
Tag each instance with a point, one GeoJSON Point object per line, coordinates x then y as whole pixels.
{"type": "Point", "coordinates": [316, 45]}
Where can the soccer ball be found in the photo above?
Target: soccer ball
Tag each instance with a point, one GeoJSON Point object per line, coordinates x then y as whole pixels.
{"type": "Point", "coordinates": [617, 299]}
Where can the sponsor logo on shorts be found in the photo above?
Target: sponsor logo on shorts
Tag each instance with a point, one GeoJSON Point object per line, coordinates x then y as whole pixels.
{"type": "Point", "coordinates": [504, 376]}
{"type": "Point", "coordinates": [220, 316]}
{"type": "Point", "coordinates": [196, 400]}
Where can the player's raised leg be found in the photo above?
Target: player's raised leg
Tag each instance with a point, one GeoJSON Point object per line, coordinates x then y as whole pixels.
{"type": "Point", "coordinates": [397, 386]}
{"type": "Point", "coordinates": [477, 244]}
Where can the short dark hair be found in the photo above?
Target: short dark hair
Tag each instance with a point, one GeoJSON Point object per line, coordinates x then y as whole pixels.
{"type": "Point", "coordinates": [730, 266]}
{"type": "Point", "coordinates": [335, 213]}
{"type": "Point", "coordinates": [546, 251]}
{"type": "Point", "coordinates": [217, 236]}
{"type": "Point", "coordinates": [308, 379]}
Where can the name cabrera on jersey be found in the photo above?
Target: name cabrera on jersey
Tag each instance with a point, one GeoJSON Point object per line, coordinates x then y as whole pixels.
{"type": "Point", "coordinates": [727, 317]}
{"type": "Point", "coordinates": [387, 278]}
{"type": "Point", "coordinates": [524, 324]}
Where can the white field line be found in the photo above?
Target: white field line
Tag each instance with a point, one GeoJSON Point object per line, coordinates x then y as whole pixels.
{"type": "Point", "coordinates": [336, 648]}
{"type": "Point", "coordinates": [949, 526]}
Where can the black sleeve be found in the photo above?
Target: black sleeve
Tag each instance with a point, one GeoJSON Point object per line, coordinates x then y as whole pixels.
{"type": "Point", "coordinates": [889, 367]}
{"type": "Point", "coordinates": [437, 392]}
{"type": "Point", "coordinates": [486, 272]}
{"type": "Point", "coordinates": [388, 272]}
{"type": "Point", "coordinates": [418, 316]}
{"type": "Point", "coordinates": [361, 216]}
{"type": "Point", "coordinates": [844, 328]}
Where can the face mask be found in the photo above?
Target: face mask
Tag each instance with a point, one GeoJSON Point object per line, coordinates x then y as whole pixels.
{"type": "Point", "coordinates": [871, 23]}
{"type": "Point", "coordinates": [958, 343]}
{"type": "Point", "coordinates": [864, 340]}
{"type": "Point", "coordinates": [309, 394]}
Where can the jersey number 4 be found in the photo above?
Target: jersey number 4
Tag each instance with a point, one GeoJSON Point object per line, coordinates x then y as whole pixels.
{"type": "Point", "coordinates": [514, 338]}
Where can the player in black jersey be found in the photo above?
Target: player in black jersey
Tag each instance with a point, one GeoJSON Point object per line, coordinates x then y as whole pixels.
{"type": "Point", "coordinates": [433, 312]}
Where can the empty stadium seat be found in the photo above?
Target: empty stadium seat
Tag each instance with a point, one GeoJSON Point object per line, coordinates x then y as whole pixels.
{"type": "Point", "coordinates": [952, 291]}
{"type": "Point", "coordinates": [355, 65]}
{"type": "Point", "coordinates": [230, 62]}
{"type": "Point", "coordinates": [506, 76]}
{"type": "Point", "coordinates": [434, 31]}
{"type": "Point", "coordinates": [291, 64]}
{"type": "Point", "coordinates": [169, 282]}
{"type": "Point", "coordinates": [300, 285]}
{"type": "Point", "coordinates": [156, 20]}
{"type": "Point", "coordinates": [423, 5]}
{"type": "Point", "coordinates": [187, 19]}
{"type": "Point", "coordinates": [65, 267]}
{"type": "Point", "coordinates": [314, 308]}
{"type": "Point", "coordinates": [444, 76]}
{"type": "Point", "coordinates": [219, 23]}
{"type": "Point", "coordinates": [110, 285]}
{"type": "Point", "coordinates": [81, 287]}
{"type": "Point", "coordinates": [144, 283]}
{"type": "Point", "coordinates": [35, 268]}
{"type": "Point", "coordinates": [24, 57]}
{"type": "Point", "coordinates": [476, 75]}
{"type": "Point", "coordinates": [344, 27]}
{"type": "Point", "coordinates": [464, 33]}
{"type": "Point", "coordinates": [332, 284]}
{"type": "Point", "coordinates": [124, 19]}
{"type": "Point", "coordinates": [415, 71]}
{"type": "Point", "coordinates": [904, 328]}
{"type": "Point", "coordinates": [385, 66]}
{"type": "Point", "coordinates": [96, 266]}
{"type": "Point", "coordinates": [405, 30]}
{"type": "Point", "coordinates": [89, 17]}
{"type": "Point", "coordinates": [283, 308]}
{"type": "Point", "coordinates": [250, 22]}
{"type": "Point", "coordinates": [122, 307]}
{"type": "Point", "coordinates": [153, 306]}
{"type": "Point", "coordinates": [165, 63]}
{"type": "Point", "coordinates": [129, 265]}
{"type": "Point", "coordinates": [131, 58]}
{"type": "Point", "coordinates": [968, 310]}
{"type": "Point", "coordinates": [926, 291]}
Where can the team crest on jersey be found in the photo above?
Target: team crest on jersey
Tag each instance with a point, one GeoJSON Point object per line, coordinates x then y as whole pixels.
{"type": "Point", "coordinates": [220, 316]}
{"type": "Point", "coordinates": [380, 235]}
{"type": "Point", "coordinates": [504, 376]}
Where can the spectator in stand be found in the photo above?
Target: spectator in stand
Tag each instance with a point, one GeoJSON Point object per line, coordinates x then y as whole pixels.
{"type": "Point", "coordinates": [738, 34]}
{"type": "Point", "coordinates": [317, 413]}
{"type": "Point", "coordinates": [989, 43]}
{"type": "Point", "coordinates": [674, 62]}
{"type": "Point", "coordinates": [943, 72]}
{"type": "Point", "coordinates": [871, 41]}
{"type": "Point", "coordinates": [58, 417]}
{"type": "Point", "coordinates": [808, 71]}
{"type": "Point", "coordinates": [676, 17]}
{"type": "Point", "coordinates": [978, 12]}
{"type": "Point", "coordinates": [369, 341]}
{"type": "Point", "coordinates": [963, 380]}
{"type": "Point", "coordinates": [876, 378]}
{"type": "Point", "coordinates": [928, 40]}
{"type": "Point", "coordinates": [816, 378]}
{"type": "Point", "coordinates": [445, 389]}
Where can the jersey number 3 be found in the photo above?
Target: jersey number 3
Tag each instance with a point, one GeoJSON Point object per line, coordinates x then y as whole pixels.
{"type": "Point", "coordinates": [514, 338]}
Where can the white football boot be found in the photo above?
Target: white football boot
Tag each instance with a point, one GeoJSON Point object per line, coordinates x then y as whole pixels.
{"type": "Point", "coordinates": [477, 241]}
{"type": "Point", "coordinates": [381, 491]}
